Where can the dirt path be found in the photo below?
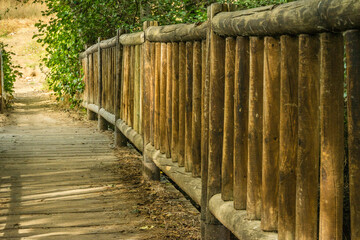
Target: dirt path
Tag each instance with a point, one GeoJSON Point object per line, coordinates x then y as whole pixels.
{"type": "Point", "coordinates": [61, 179]}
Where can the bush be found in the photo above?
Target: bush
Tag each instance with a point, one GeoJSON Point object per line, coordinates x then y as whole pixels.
{"type": "Point", "coordinates": [11, 71]}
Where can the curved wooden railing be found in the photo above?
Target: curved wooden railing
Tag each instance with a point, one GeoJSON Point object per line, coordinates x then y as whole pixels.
{"type": "Point", "coordinates": [245, 112]}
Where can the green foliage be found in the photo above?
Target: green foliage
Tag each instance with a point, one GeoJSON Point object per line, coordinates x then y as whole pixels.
{"type": "Point", "coordinates": [11, 71]}
{"type": "Point", "coordinates": [76, 23]}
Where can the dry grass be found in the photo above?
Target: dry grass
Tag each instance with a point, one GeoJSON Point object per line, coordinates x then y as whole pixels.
{"type": "Point", "coordinates": [15, 15]}
{"type": "Point", "coordinates": [13, 9]}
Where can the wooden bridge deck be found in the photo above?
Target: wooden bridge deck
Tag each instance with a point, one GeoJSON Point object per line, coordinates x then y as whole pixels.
{"type": "Point", "coordinates": [53, 179]}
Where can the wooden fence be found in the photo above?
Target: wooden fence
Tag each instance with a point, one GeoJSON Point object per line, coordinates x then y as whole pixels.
{"type": "Point", "coordinates": [2, 89]}
{"type": "Point", "coordinates": [245, 112]}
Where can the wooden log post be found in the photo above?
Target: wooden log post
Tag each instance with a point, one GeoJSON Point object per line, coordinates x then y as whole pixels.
{"type": "Point", "coordinates": [175, 102]}
{"type": "Point", "coordinates": [2, 92]}
{"type": "Point", "coordinates": [163, 103]}
{"type": "Point", "coordinates": [131, 86]}
{"type": "Point", "coordinates": [137, 90]}
{"type": "Point", "coordinates": [168, 96]}
{"type": "Point", "coordinates": [241, 115]}
{"type": "Point", "coordinates": [352, 40]}
{"type": "Point", "coordinates": [271, 111]}
{"type": "Point", "coordinates": [102, 123]}
{"type": "Point", "coordinates": [332, 136]}
{"type": "Point", "coordinates": [205, 82]}
{"type": "Point", "coordinates": [307, 176]}
{"type": "Point", "coordinates": [150, 170]}
{"type": "Point", "coordinates": [89, 81]}
{"type": "Point", "coordinates": [182, 79]}
{"type": "Point", "coordinates": [254, 176]}
{"type": "Point", "coordinates": [188, 106]}
{"type": "Point", "coordinates": [157, 95]}
{"type": "Point", "coordinates": [227, 164]}
{"type": "Point", "coordinates": [120, 139]}
{"type": "Point", "coordinates": [196, 113]}
{"type": "Point", "coordinates": [288, 137]}
{"type": "Point", "coordinates": [214, 229]}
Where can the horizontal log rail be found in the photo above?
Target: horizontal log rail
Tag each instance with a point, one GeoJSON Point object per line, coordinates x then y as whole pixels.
{"type": "Point", "coordinates": [304, 16]}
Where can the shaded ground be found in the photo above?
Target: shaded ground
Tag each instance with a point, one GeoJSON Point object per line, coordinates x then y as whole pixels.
{"type": "Point", "coordinates": [62, 179]}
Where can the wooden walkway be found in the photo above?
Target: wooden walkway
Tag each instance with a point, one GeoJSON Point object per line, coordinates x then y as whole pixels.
{"type": "Point", "coordinates": [53, 179]}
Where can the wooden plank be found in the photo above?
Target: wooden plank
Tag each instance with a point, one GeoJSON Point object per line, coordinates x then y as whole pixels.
{"type": "Point", "coordinates": [352, 41]}
{"type": "Point", "coordinates": [182, 79]}
{"type": "Point", "coordinates": [288, 136]}
{"type": "Point", "coordinates": [253, 202]}
{"type": "Point", "coordinates": [163, 102]}
{"type": "Point", "coordinates": [227, 163]}
{"type": "Point", "coordinates": [196, 112]}
{"type": "Point", "coordinates": [307, 176]}
{"type": "Point", "coordinates": [332, 136]}
{"type": "Point", "coordinates": [168, 115]}
{"type": "Point", "coordinates": [175, 102]}
{"type": "Point", "coordinates": [188, 106]}
{"type": "Point", "coordinates": [241, 116]}
{"type": "Point", "coordinates": [270, 166]}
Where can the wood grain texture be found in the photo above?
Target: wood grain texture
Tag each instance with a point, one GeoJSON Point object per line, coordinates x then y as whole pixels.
{"type": "Point", "coordinates": [188, 106]}
{"type": "Point", "coordinates": [157, 95]}
{"type": "Point", "coordinates": [182, 95]}
{"type": "Point", "coordinates": [271, 134]}
{"type": "Point", "coordinates": [296, 17]}
{"type": "Point", "coordinates": [196, 111]}
{"type": "Point", "coordinates": [177, 32]}
{"type": "Point", "coordinates": [288, 136]}
{"type": "Point", "coordinates": [175, 102]}
{"type": "Point", "coordinates": [169, 82]}
{"type": "Point", "coordinates": [227, 163]}
{"type": "Point", "coordinates": [241, 117]}
{"type": "Point", "coordinates": [307, 175]}
{"type": "Point", "coordinates": [146, 92]}
{"type": "Point", "coordinates": [332, 136]}
{"type": "Point", "coordinates": [253, 201]}
{"type": "Point", "coordinates": [352, 40]}
{"type": "Point", "coordinates": [163, 93]}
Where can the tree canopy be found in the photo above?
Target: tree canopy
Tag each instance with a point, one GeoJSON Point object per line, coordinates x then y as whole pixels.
{"type": "Point", "coordinates": [76, 23]}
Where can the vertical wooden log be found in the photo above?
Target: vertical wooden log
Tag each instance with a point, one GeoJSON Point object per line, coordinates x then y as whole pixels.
{"type": "Point", "coordinates": [137, 89]}
{"type": "Point", "coordinates": [150, 170]}
{"type": "Point", "coordinates": [196, 115]}
{"type": "Point", "coordinates": [332, 136]}
{"type": "Point", "coordinates": [227, 167]}
{"type": "Point", "coordinates": [168, 116]}
{"type": "Point", "coordinates": [120, 139]}
{"type": "Point", "coordinates": [152, 95]}
{"type": "Point", "coordinates": [127, 84]}
{"type": "Point", "coordinates": [253, 202]}
{"type": "Point", "coordinates": [163, 102]}
{"type": "Point", "coordinates": [188, 105]}
{"type": "Point", "coordinates": [182, 79]}
{"type": "Point", "coordinates": [288, 136]}
{"type": "Point", "coordinates": [241, 116]}
{"type": "Point", "coordinates": [1, 82]}
{"type": "Point", "coordinates": [90, 82]}
{"type": "Point", "coordinates": [157, 95]}
{"type": "Point", "coordinates": [131, 85]}
{"type": "Point", "coordinates": [204, 130]}
{"type": "Point", "coordinates": [175, 102]}
{"type": "Point", "coordinates": [271, 111]}
{"type": "Point", "coordinates": [102, 124]}
{"type": "Point", "coordinates": [216, 116]}
{"type": "Point", "coordinates": [352, 40]}
{"type": "Point", "coordinates": [141, 59]}
{"type": "Point", "coordinates": [307, 176]}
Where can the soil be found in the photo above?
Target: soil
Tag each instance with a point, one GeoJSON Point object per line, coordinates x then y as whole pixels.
{"type": "Point", "coordinates": [161, 212]}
